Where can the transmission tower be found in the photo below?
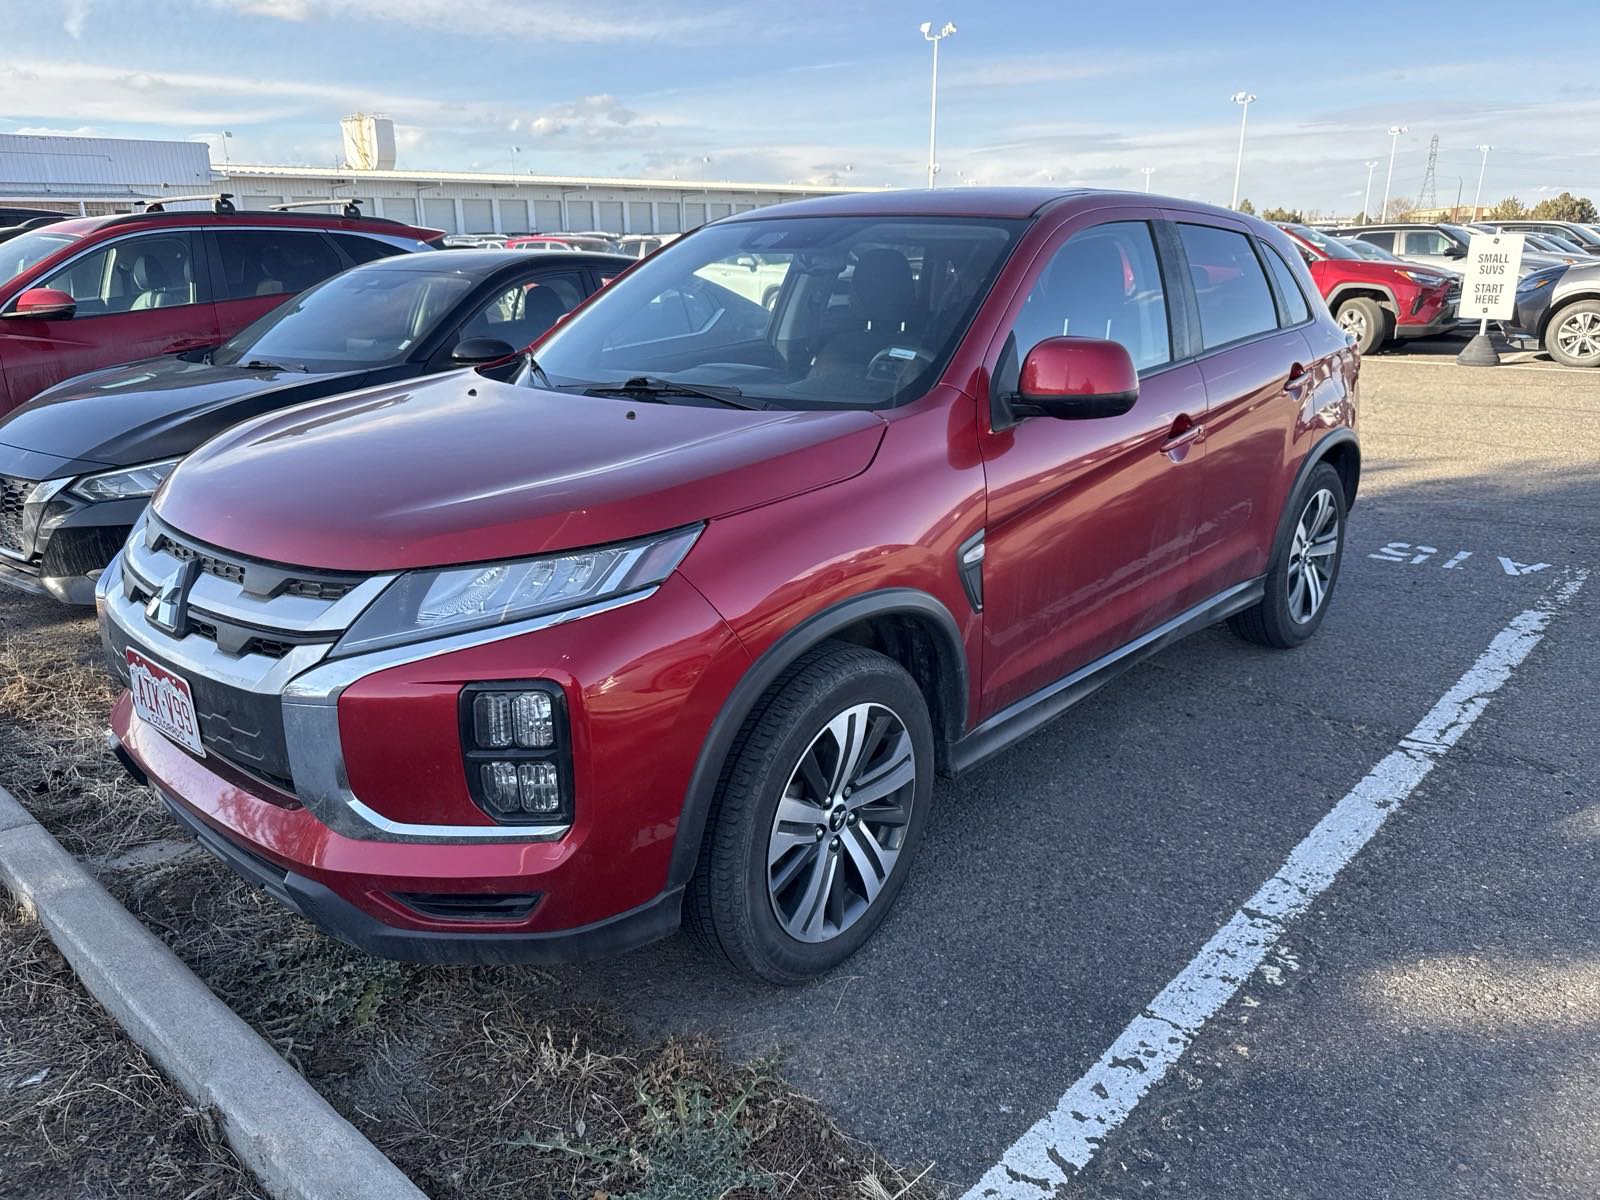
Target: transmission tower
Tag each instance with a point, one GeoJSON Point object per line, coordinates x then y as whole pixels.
{"type": "Point", "coordinates": [1429, 196]}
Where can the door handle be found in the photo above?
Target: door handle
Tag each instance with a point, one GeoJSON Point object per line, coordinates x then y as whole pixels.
{"type": "Point", "coordinates": [1299, 379]}
{"type": "Point", "coordinates": [1184, 431]}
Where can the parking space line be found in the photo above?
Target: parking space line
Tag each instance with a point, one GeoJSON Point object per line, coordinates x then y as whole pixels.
{"type": "Point", "coordinates": [1525, 365]}
{"type": "Point", "coordinates": [1062, 1142]}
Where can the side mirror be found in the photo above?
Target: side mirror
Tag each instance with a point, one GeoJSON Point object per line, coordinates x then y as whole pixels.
{"type": "Point", "coordinates": [1456, 252]}
{"type": "Point", "coordinates": [475, 352]}
{"type": "Point", "coordinates": [747, 261]}
{"type": "Point", "coordinates": [1076, 378]}
{"type": "Point", "coordinates": [44, 304]}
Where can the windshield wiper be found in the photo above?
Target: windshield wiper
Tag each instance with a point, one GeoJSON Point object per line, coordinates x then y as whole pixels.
{"type": "Point", "coordinates": [645, 385]}
{"type": "Point", "coordinates": [261, 364]}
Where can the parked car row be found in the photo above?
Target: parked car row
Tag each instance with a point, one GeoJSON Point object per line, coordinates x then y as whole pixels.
{"type": "Point", "coordinates": [472, 655]}
{"type": "Point", "coordinates": [634, 245]}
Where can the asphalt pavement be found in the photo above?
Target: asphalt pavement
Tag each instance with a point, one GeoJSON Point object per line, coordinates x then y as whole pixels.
{"type": "Point", "coordinates": [1429, 1028]}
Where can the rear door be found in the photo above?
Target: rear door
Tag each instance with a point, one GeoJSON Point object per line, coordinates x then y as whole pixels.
{"type": "Point", "coordinates": [138, 296]}
{"type": "Point", "coordinates": [1090, 522]}
{"type": "Point", "coordinates": [1258, 371]}
{"type": "Point", "coordinates": [255, 270]}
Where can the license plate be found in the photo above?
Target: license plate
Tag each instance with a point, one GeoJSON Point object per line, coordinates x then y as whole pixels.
{"type": "Point", "coordinates": [164, 700]}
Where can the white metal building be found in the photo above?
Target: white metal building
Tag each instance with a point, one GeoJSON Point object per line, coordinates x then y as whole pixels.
{"type": "Point", "coordinates": [102, 175]}
{"type": "Point", "coordinates": [85, 175]}
{"type": "Point", "coordinates": [464, 202]}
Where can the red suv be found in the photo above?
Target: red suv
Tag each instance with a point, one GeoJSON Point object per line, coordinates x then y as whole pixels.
{"type": "Point", "coordinates": [685, 620]}
{"type": "Point", "coordinates": [99, 291]}
{"type": "Point", "coordinates": [1377, 302]}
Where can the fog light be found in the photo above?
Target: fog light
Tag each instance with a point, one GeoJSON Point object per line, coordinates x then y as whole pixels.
{"type": "Point", "coordinates": [501, 720]}
{"type": "Point", "coordinates": [539, 786]}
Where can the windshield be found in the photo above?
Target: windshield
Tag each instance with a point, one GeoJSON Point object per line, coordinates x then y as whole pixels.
{"type": "Point", "coordinates": [1565, 245]}
{"type": "Point", "coordinates": [1368, 251]}
{"type": "Point", "coordinates": [1331, 246]}
{"type": "Point", "coordinates": [29, 249]}
{"type": "Point", "coordinates": [804, 312]}
{"type": "Point", "coordinates": [361, 319]}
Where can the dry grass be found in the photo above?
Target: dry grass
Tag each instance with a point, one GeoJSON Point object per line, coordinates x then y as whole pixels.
{"type": "Point", "coordinates": [481, 1084]}
{"type": "Point", "coordinates": [82, 1111]}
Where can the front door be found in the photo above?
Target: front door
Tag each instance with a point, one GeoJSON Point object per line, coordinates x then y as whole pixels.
{"type": "Point", "coordinates": [1090, 522]}
{"type": "Point", "coordinates": [138, 297]}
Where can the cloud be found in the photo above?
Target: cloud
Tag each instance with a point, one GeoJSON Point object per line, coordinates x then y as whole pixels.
{"type": "Point", "coordinates": [75, 17]}
{"type": "Point", "coordinates": [562, 21]}
{"type": "Point", "coordinates": [588, 117]}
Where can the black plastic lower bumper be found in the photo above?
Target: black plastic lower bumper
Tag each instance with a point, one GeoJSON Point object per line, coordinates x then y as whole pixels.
{"type": "Point", "coordinates": [338, 918]}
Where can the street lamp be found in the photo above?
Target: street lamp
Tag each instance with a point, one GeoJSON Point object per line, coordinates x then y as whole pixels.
{"type": "Point", "coordinates": [1394, 141]}
{"type": "Point", "coordinates": [930, 35]}
{"type": "Point", "coordinates": [1366, 200]}
{"type": "Point", "coordinates": [1244, 100]}
{"type": "Point", "coordinates": [1477, 200]}
{"type": "Point", "coordinates": [1148, 171]}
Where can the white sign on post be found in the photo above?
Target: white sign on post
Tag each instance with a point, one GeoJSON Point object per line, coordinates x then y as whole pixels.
{"type": "Point", "coordinates": [1489, 289]}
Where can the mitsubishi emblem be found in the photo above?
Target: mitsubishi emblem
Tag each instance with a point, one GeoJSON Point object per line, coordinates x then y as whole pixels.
{"type": "Point", "coordinates": [168, 609]}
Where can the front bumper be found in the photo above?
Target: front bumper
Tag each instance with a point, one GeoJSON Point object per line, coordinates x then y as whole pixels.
{"type": "Point", "coordinates": [67, 544]}
{"type": "Point", "coordinates": [375, 811]}
{"type": "Point", "coordinates": [1431, 315]}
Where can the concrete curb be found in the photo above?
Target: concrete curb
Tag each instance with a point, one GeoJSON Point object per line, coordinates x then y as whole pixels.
{"type": "Point", "coordinates": [297, 1145]}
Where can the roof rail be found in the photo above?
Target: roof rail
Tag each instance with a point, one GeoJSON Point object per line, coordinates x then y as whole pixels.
{"type": "Point", "coordinates": [348, 207]}
{"type": "Point", "coordinates": [221, 202]}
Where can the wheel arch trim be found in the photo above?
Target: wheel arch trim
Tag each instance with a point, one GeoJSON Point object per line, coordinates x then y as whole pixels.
{"type": "Point", "coordinates": [815, 629]}
{"type": "Point", "coordinates": [1318, 454]}
{"type": "Point", "coordinates": [1362, 288]}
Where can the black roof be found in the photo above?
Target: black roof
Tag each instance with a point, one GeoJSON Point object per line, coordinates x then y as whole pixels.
{"type": "Point", "coordinates": [486, 264]}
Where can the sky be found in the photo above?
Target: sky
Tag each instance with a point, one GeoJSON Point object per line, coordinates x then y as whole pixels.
{"type": "Point", "coordinates": [823, 91]}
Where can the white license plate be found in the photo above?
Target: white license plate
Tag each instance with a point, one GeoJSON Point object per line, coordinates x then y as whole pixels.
{"type": "Point", "coordinates": [164, 700]}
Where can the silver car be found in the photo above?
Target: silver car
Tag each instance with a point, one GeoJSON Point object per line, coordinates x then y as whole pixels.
{"type": "Point", "coordinates": [1441, 245]}
{"type": "Point", "coordinates": [1561, 308]}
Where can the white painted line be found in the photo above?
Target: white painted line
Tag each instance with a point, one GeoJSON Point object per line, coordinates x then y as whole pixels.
{"type": "Point", "coordinates": [1062, 1142]}
{"type": "Point", "coordinates": [1449, 360]}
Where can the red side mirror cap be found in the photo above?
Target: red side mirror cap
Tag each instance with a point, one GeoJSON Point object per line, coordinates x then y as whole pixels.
{"type": "Point", "coordinates": [44, 304]}
{"type": "Point", "coordinates": [1076, 378]}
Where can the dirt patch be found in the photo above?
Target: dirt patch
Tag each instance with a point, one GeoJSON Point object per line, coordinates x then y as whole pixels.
{"type": "Point", "coordinates": [481, 1084]}
{"type": "Point", "coordinates": [82, 1111]}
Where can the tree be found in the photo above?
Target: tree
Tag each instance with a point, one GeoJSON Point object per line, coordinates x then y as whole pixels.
{"type": "Point", "coordinates": [1289, 216]}
{"type": "Point", "coordinates": [1400, 209]}
{"type": "Point", "coordinates": [1246, 207]}
{"type": "Point", "coordinates": [1508, 209]}
{"type": "Point", "coordinates": [1565, 207]}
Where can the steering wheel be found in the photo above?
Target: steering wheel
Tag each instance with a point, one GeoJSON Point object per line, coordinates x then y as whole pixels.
{"type": "Point", "coordinates": [889, 364]}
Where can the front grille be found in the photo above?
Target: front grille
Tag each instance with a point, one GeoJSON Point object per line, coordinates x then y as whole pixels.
{"type": "Point", "coordinates": [253, 576]}
{"type": "Point", "coordinates": [233, 572]}
{"type": "Point", "coordinates": [12, 494]}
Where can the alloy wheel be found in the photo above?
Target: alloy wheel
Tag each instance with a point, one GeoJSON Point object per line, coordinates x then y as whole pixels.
{"type": "Point", "coordinates": [1579, 335]}
{"type": "Point", "coordinates": [841, 822]}
{"type": "Point", "coordinates": [1311, 555]}
{"type": "Point", "coordinates": [1353, 320]}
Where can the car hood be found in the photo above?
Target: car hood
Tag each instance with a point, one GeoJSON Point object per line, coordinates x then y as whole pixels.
{"type": "Point", "coordinates": [148, 411]}
{"type": "Point", "coordinates": [464, 469]}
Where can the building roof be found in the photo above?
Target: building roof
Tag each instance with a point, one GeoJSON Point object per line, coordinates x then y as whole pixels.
{"type": "Point", "coordinates": [508, 179]}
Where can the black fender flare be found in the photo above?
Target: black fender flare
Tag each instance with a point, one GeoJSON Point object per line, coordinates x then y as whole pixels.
{"type": "Point", "coordinates": [759, 677]}
{"type": "Point", "coordinates": [1343, 289]}
{"type": "Point", "coordinates": [1317, 454]}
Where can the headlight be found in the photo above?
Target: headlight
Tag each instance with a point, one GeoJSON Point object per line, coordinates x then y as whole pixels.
{"type": "Point", "coordinates": [436, 603]}
{"type": "Point", "coordinates": [129, 483]}
{"type": "Point", "coordinates": [1423, 279]}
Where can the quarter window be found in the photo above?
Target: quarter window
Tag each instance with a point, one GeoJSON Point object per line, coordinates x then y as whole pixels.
{"type": "Point", "coordinates": [154, 271]}
{"type": "Point", "coordinates": [1230, 286]}
{"type": "Point", "coordinates": [1103, 283]}
{"type": "Point", "coordinates": [1381, 238]}
{"type": "Point", "coordinates": [1295, 309]}
{"type": "Point", "coordinates": [273, 263]}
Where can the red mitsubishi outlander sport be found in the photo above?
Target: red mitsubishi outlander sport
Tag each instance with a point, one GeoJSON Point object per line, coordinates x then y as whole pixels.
{"type": "Point", "coordinates": [682, 623]}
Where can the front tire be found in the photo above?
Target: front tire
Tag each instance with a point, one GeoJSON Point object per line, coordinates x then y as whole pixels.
{"type": "Point", "coordinates": [1303, 569]}
{"type": "Point", "coordinates": [1367, 320]}
{"type": "Point", "coordinates": [819, 812]}
{"type": "Point", "coordinates": [1573, 335]}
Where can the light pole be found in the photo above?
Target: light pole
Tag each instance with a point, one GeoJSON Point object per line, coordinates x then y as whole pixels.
{"type": "Point", "coordinates": [1477, 200]}
{"type": "Point", "coordinates": [930, 35]}
{"type": "Point", "coordinates": [1244, 100]}
{"type": "Point", "coordinates": [1148, 171]}
{"type": "Point", "coordinates": [1366, 201]}
{"type": "Point", "coordinates": [1394, 141]}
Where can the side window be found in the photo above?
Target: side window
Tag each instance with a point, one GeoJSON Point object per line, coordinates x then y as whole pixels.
{"type": "Point", "coordinates": [1295, 308]}
{"type": "Point", "coordinates": [1427, 241]}
{"type": "Point", "coordinates": [1235, 301]}
{"type": "Point", "coordinates": [1383, 239]}
{"type": "Point", "coordinates": [1103, 283]}
{"type": "Point", "coordinates": [259, 262]}
{"type": "Point", "coordinates": [524, 310]}
{"type": "Point", "coordinates": [151, 271]}
{"type": "Point", "coordinates": [365, 249]}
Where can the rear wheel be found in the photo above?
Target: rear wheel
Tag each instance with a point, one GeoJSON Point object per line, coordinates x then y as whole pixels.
{"type": "Point", "coordinates": [1573, 335]}
{"type": "Point", "coordinates": [1366, 319]}
{"type": "Point", "coordinates": [1303, 569]}
{"type": "Point", "coordinates": [819, 811]}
